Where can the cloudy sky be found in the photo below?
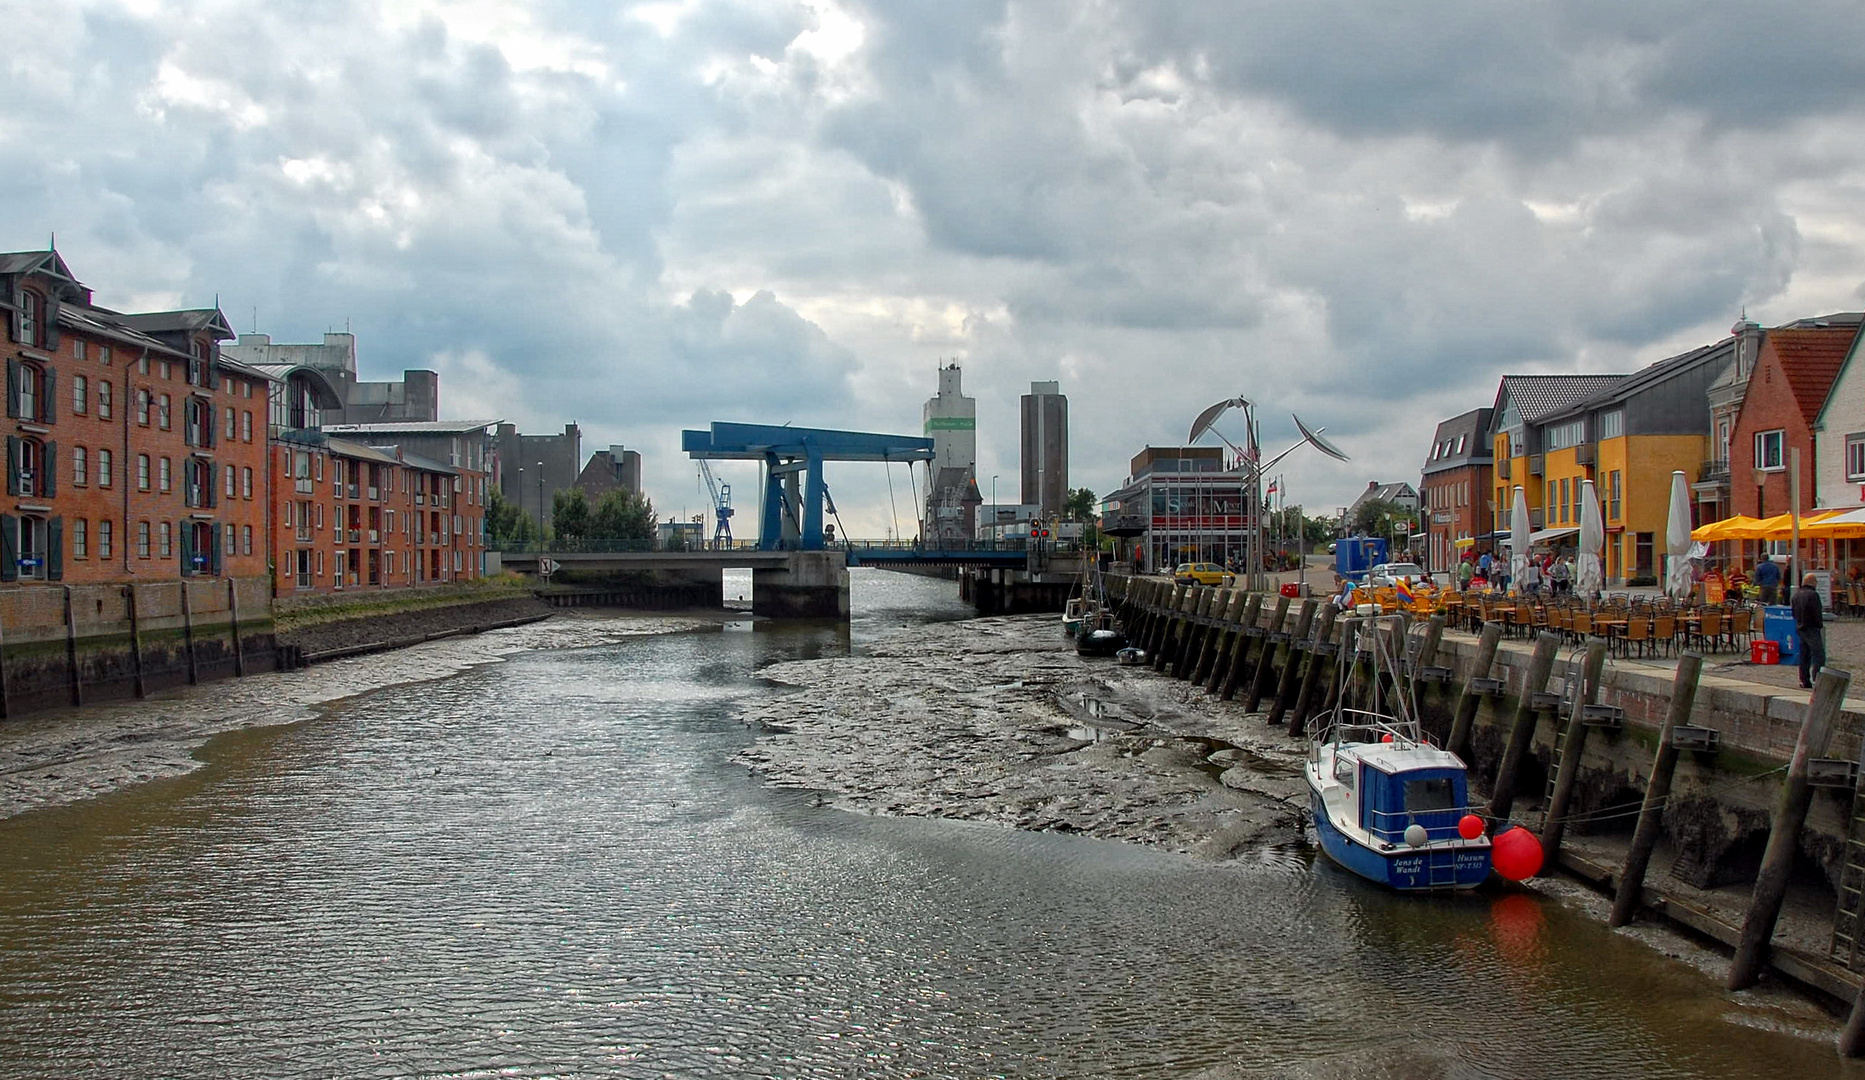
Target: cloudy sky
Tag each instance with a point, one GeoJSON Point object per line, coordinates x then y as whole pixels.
{"type": "Point", "coordinates": [643, 217]}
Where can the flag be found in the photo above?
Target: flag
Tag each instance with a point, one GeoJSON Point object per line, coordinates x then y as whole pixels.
{"type": "Point", "coordinates": [1272, 488]}
{"type": "Point", "coordinates": [1404, 590]}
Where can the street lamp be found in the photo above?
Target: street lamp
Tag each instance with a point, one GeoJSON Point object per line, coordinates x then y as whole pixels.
{"type": "Point", "coordinates": [995, 513]}
{"type": "Point", "coordinates": [1251, 456]}
{"type": "Point", "coordinates": [540, 503]}
{"type": "Point", "coordinates": [519, 502]}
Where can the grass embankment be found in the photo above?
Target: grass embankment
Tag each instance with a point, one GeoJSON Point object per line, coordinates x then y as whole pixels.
{"type": "Point", "coordinates": [289, 617]}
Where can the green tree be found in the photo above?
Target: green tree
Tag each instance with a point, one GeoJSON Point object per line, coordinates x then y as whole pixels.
{"type": "Point", "coordinates": [511, 528]}
{"type": "Point", "coordinates": [1081, 505]}
{"type": "Point", "coordinates": [1375, 517]}
{"type": "Point", "coordinates": [623, 515]}
{"type": "Point", "coordinates": [569, 514]}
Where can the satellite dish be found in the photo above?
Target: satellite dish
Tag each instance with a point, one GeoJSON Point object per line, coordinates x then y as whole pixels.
{"type": "Point", "coordinates": [1210, 415]}
{"type": "Point", "coordinates": [1319, 443]}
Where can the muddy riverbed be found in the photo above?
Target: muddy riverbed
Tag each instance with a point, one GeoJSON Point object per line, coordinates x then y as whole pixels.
{"type": "Point", "coordinates": [997, 720]}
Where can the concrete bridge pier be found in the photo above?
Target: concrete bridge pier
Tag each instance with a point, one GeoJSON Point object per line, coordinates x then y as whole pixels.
{"type": "Point", "coordinates": [811, 585]}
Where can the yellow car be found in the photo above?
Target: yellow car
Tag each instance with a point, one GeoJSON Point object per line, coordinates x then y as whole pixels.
{"type": "Point", "coordinates": [1201, 573]}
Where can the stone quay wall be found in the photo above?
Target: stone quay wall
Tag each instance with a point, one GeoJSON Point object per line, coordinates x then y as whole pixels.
{"type": "Point", "coordinates": [65, 645]}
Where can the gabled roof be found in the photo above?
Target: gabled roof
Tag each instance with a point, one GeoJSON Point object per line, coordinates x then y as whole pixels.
{"type": "Point", "coordinates": [49, 263]}
{"type": "Point", "coordinates": [1539, 396]}
{"type": "Point", "coordinates": [1810, 358]}
{"type": "Point", "coordinates": [186, 322]}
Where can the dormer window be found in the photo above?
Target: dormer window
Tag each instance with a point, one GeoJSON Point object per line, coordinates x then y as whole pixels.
{"type": "Point", "coordinates": [29, 308]}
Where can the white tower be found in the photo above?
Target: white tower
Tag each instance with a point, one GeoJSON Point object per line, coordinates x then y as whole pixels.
{"type": "Point", "coordinates": [952, 423]}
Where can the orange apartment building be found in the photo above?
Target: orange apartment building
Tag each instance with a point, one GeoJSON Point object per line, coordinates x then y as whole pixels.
{"type": "Point", "coordinates": [135, 452]}
{"type": "Point", "coordinates": [354, 516]}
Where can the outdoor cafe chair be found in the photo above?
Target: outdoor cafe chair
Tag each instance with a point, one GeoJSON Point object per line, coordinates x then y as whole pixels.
{"type": "Point", "coordinates": [1664, 633]}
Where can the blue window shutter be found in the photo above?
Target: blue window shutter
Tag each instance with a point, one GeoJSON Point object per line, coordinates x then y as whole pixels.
{"type": "Point", "coordinates": [48, 483]}
{"type": "Point", "coordinates": [186, 547]}
{"type": "Point", "coordinates": [12, 464]}
{"type": "Point", "coordinates": [213, 565]}
{"type": "Point", "coordinates": [55, 549]}
{"type": "Point", "coordinates": [12, 389]}
{"type": "Point", "coordinates": [48, 397]}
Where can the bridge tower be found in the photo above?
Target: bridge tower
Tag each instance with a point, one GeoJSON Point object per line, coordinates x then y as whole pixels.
{"type": "Point", "coordinates": [793, 503]}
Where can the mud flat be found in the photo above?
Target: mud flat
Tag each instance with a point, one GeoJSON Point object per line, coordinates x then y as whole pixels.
{"type": "Point", "coordinates": [997, 720]}
{"type": "Point", "coordinates": [56, 758]}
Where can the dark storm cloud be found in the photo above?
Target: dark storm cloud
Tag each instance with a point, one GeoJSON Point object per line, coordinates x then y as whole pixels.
{"type": "Point", "coordinates": [648, 216]}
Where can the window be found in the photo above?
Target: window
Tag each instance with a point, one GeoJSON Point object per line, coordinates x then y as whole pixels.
{"type": "Point", "coordinates": [246, 419]}
{"type": "Point", "coordinates": [78, 465]}
{"type": "Point", "coordinates": [1612, 424]}
{"type": "Point", "coordinates": [168, 370]}
{"type": "Point", "coordinates": [1612, 495]}
{"type": "Point", "coordinates": [165, 476]}
{"type": "Point", "coordinates": [142, 472]}
{"type": "Point", "coordinates": [29, 466]}
{"type": "Point", "coordinates": [105, 529]}
{"type": "Point", "coordinates": [1424, 796]}
{"type": "Point", "coordinates": [231, 489]}
{"type": "Point", "coordinates": [232, 423]}
{"type": "Point", "coordinates": [142, 407]}
{"type": "Point", "coordinates": [1769, 452]}
{"type": "Point", "coordinates": [142, 364]}
{"type": "Point", "coordinates": [142, 539]}
{"type": "Point", "coordinates": [29, 318]}
{"type": "Point", "coordinates": [229, 546]}
{"type": "Point", "coordinates": [161, 412]}
{"type": "Point", "coordinates": [80, 394]}
{"type": "Point", "coordinates": [1855, 457]}
{"type": "Point", "coordinates": [103, 355]}
{"type": "Point", "coordinates": [34, 554]}
{"type": "Point", "coordinates": [166, 539]}
{"type": "Point", "coordinates": [81, 539]}
{"type": "Point", "coordinates": [246, 483]}
{"type": "Point", "coordinates": [246, 540]}
{"type": "Point", "coordinates": [1564, 500]}
{"type": "Point", "coordinates": [103, 399]}
{"type": "Point", "coordinates": [1562, 436]}
{"type": "Point", "coordinates": [26, 379]}
{"type": "Point", "coordinates": [103, 468]}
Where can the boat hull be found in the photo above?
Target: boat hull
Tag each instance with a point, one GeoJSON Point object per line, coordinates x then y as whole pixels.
{"type": "Point", "coordinates": [1434, 867]}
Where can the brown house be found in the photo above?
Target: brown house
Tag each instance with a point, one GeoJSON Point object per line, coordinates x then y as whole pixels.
{"type": "Point", "coordinates": [1455, 488]}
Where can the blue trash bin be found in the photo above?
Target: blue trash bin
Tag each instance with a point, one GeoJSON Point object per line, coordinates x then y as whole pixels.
{"type": "Point", "coordinates": [1777, 625]}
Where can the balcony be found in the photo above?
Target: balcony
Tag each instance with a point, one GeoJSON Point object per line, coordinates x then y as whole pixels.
{"type": "Point", "coordinates": [375, 494]}
{"type": "Point", "coordinates": [1535, 464]}
{"type": "Point", "coordinates": [1503, 468]}
{"type": "Point", "coordinates": [356, 536]}
{"type": "Point", "coordinates": [1713, 472]}
{"type": "Point", "coordinates": [302, 485]}
{"type": "Point", "coordinates": [1587, 453]}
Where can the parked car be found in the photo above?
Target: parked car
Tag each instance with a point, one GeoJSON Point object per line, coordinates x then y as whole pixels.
{"type": "Point", "coordinates": [1201, 573]}
{"type": "Point", "coordinates": [1388, 574]}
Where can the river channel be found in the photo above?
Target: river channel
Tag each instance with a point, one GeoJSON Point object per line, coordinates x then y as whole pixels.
{"type": "Point", "coordinates": [550, 867]}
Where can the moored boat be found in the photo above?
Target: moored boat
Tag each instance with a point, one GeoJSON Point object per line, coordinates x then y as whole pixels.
{"type": "Point", "coordinates": [1388, 805]}
{"type": "Point", "coordinates": [1392, 808]}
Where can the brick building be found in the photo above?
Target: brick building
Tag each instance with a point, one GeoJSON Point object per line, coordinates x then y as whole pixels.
{"type": "Point", "coordinates": [1794, 371]}
{"type": "Point", "coordinates": [1455, 488]}
{"type": "Point", "coordinates": [135, 451]}
{"type": "Point", "coordinates": [466, 447]}
{"type": "Point", "coordinates": [352, 516]}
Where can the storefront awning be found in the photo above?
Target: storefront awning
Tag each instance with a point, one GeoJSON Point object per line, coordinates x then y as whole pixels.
{"type": "Point", "coordinates": [1542, 536]}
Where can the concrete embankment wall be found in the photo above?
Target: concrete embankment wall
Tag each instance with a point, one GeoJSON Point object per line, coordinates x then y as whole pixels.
{"type": "Point", "coordinates": [1719, 814]}
{"type": "Point", "coordinates": [330, 627]}
{"type": "Point", "coordinates": [63, 645]}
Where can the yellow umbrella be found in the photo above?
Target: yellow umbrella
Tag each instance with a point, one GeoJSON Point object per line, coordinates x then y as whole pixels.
{"type": "Point", "coordinates": [1731, 528]}
{"type": "Point", "coordinates": [1834, 525]}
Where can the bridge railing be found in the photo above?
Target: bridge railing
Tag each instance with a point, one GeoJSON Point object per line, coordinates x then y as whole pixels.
{"type": "Point", "coordinates": [596, 546]}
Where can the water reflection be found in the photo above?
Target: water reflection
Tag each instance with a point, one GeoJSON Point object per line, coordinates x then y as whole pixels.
{"type": "Point", "coordinates": [550, 868]}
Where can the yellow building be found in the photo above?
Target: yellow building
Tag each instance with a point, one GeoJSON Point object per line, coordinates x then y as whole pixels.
{"type": "Point", "coordinates": [1523, 402]}
{"type": "Point", "coordinates": [1627, 437]}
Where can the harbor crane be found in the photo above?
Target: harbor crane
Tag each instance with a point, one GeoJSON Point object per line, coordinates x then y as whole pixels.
{"type": "Point", "coordinates": [721, 505]}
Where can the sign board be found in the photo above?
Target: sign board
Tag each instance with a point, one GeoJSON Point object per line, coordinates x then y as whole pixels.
{"type": "Point", "coordinates": [548, 566]}
{"type": "Point", "coordinates": [1401, 526]}
{"type": "Point", "coordinates": [30, 561]}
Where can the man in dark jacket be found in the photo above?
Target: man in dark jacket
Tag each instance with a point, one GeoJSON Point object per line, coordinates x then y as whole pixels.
{"type": "Point", "coordinates": [1810, 624]}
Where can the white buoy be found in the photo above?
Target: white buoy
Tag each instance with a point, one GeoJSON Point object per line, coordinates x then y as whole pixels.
{"type": "Point", "coordinates": [1416, 835]}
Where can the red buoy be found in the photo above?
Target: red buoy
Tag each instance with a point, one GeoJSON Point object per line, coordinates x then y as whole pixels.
{"type": "Point", "coordinates": [1469, 826]}
{"type": "Point", "coordinates": [1385, 738]}
{"type": "Point", "coordinates": [1516, 854]}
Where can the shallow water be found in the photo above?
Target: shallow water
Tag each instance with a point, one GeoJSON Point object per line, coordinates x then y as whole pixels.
{"type": "Point", "coordinates": [548, 867]}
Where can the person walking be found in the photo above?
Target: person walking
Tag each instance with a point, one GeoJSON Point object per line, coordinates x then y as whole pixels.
{"type": "Point", "coordinates": [1768, 579]}
{"type": "Point", "coordinates": [1810, 624]}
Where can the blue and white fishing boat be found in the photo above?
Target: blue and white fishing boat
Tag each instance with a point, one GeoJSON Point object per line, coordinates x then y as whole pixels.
{"type": "Point", "coordinates": [1387, 804]}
